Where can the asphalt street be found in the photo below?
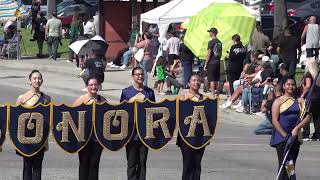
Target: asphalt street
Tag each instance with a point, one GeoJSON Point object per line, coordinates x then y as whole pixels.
{"type": "Point", "coordinates": [235, 153]}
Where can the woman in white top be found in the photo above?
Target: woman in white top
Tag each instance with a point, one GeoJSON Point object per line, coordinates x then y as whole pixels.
{"type": "Point", "coordinates": [89, 29]}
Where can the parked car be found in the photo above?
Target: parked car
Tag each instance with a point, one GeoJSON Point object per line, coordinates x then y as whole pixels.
{"type": "Point", "coordinates": [294, 23]}
{"type": "Point", "coordinates": [300, 8]}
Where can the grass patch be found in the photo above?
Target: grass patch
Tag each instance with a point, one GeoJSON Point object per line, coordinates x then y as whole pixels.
{"type": "Point", "coordinates": [30, 48]}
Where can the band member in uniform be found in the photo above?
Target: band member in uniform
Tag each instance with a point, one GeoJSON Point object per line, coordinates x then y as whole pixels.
{"type": "Point", "coordinates": [191, 157]}
{"type": "Point", "coordinates": [136, 152]}
{"type": "Point", "coordinates": [32, 166]}
{"type": "Point", "coordinates": [89, 156]}
{"type": "Point", "coordinates": [286, 112]}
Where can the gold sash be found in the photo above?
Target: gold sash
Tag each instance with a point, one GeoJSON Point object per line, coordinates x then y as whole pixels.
{"type": "Point", "coordinates": [138, 97]}
{"type": "Point", "coordinates": [286, 104]}
{"type": "Point", "coordinates": [32, 101]}
{"type": "Point", "coordinates": [91, 100]}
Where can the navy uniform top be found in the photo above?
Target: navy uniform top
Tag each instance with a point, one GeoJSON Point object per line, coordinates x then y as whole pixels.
{"type": "Point", "coordinates": [290, 111]}
{"type": "Point", "coordinates": [131, 94]}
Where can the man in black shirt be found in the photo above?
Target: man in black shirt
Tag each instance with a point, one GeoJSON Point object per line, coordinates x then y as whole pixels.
{"type": "Point", "coordinates": [212, 64]}
{"type": "Point", "coordinates": [186, 57]}
{"type": "Point", "coordinates": [95, 68]}
{"type": "Point", "coordinates": [287, 50]}
{"type": "Point", "coordinates": [235, 64]}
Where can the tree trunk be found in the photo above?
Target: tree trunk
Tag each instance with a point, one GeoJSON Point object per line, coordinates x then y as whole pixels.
{"type": "Point", "coordinates": [280, 17]}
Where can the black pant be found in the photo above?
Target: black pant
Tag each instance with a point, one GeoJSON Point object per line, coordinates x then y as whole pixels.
{"type": "Point", "coordinates": [136, 160]}
{"type": "Point", "coordinates": [292, 65]}
{"type": "Point", "coordinates": [89, 158]}
{"type": "Point", "coordinates": [191, 162]}
{"type": "Point", "coordinates": [232, 76]}
{"type": "Point", "coordinates": [187, 70]}
{"type": "Point", "coordinates": [294, 154]}
{"type": "Point", "coordinates": [32, 166]}
{"type": "Point", "coordinates": [312, 52]}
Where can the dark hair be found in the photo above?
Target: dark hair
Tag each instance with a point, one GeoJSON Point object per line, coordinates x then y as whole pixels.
{"type": "Point", "coordinates": [287, 78]}
{"type": "Point", "coordinates": [34, 71]}
{"type": "Point", "coordinates": [136, 68]}
{"type": "Point", "coordinates": [192, 75]}
{"type": "Point", "coordinates": [54, 14]}
{"type": "Point", "coordinates": [160, 61]}
{"type": "Point", "coordinates": [148, 35]}
{"type": "Point", "coordinates": [236, 37]}
{"type": "Point", "coordinates": [91, 77]}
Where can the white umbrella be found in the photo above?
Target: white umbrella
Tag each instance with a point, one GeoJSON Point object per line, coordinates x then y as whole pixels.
{"type": "Point", "coordinates": [86, 47]}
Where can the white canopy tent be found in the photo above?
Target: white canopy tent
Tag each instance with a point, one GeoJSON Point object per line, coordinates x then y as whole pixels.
{"type": "Point", "coordinates": [179, 11]}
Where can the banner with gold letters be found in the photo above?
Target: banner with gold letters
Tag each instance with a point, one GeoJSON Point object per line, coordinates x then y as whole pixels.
{"type": "Point", "coordinates": [114, 124]}
{"type": "Point", "coordinates": [29, 128]}
{"type": "Point", "coordinates": [197, 121]}
{"type": "Point", "coordinates": [3, 124]}
{"type": "Point", "coordinates": [72, 127]}
{"type": "Point", "coordinates": [156, 122]}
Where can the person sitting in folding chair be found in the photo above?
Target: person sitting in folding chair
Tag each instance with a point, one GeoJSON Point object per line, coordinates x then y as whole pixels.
{"type": "Point", "coordinates": [9, 37]}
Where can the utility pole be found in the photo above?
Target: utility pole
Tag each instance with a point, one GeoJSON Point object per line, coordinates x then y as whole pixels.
{"type": "Point", "coordinates": [18, 33]}
{"type": "Point", "coordinates": [51, 6]}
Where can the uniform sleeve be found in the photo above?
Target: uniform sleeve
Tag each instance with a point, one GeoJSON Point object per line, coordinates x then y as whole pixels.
{"type": "Point", "coordinates": [123, 96]}
{"type": "Point", "coordinates": [152, 96]}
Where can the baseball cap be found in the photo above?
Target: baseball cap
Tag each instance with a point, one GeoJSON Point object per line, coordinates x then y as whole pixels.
{"type": "Point", "coordinates": [213, 30]}
{"type": "Point", "coordinates": [282, 66]}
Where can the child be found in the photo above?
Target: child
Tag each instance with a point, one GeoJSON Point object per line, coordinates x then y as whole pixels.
{"type": "Point", "coordinates": [160, 75]}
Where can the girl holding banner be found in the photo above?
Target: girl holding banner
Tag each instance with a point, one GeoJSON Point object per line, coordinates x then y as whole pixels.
{"type": "Point", "coordinates": [32, 166]}
{"type": "Point", "coordinates": [286, 113]}
{"type": "Point", "coordinates": [191, 157]}
{"type": "Point", "coordinates": [136, 151]}
{"type": "Point", "coordinates": [89, 156]}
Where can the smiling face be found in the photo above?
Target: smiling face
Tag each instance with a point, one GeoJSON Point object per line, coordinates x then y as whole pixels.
{"type": "Point", "coordinates": [289, 86]}
{"type": "Point", "coordinates": [36, 80]}
{"type": "Point", "coordinates": [93, 86]}
{"type": "Point", "coordinates": [138, 76]}
{"type": "Point", "coordinates": [194, 83]}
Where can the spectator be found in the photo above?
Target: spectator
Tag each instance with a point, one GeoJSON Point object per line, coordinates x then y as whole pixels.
{"type": "Point", "coordinates": [39, 32]}
{"type": "Point", "coordinates": [284, 74]}
{"type": "Point", "coordinates": [9, 37]}
{"type": "Point", "coordinates": [53, 35]}
{"type": "Point", "coordinates": [175, 78]}
{"type": "Point", "coordinates": [186, 58]}
{"type": "Point", "coordinates": [75, 30]}
{"type": "Point", "coordinates": [312, 34]}
{"type": "Point", "coordinates": [94, 67]}
{"type": "Point", "coordinates": [160, 68]}
{"type": "Point", "coordinates": [147, 58]}
{"type": "Point", "coordinates": [266, 127]}
{"type": "Point", "coordinates": [212, 64]}
{"type": "Point", "coordinates": [249, 73]}
{"type": "Point", "coordinates": [172, 49]}
{"type": "Point", "coordinates": [126, 55]}
{"type": "Point", "coordinates": [259, 40]}
{"type": "Point", "coordinates": [272, 50]}
{"type": "Point", "coordinates": [35, 8]}
{"type": "Point", "coordinates": [236, 58]}
{"type": "Point", "coordinates": [89, 30]}
{"type": "Point", "coordinates": [287, 50]}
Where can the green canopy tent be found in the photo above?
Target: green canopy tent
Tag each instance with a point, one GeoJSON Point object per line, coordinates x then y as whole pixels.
{"type": "Point", "coordinates": [228, 18]}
